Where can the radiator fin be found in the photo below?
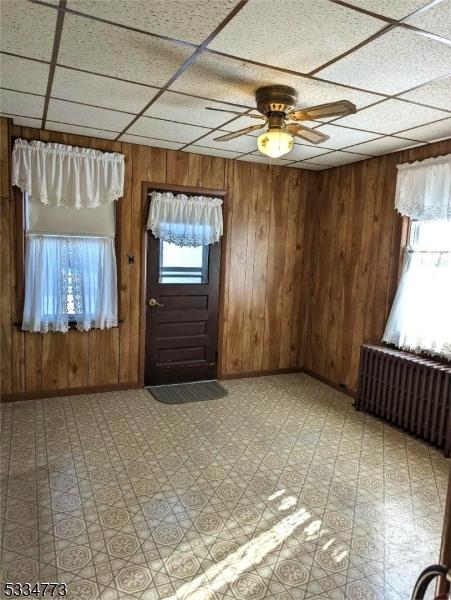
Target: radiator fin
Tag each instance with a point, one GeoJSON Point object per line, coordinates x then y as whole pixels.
{"type": "Point", "coordinates": [409, 391]}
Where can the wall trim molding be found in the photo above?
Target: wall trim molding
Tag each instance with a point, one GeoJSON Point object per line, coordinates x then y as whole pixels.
{"type": "Point", "coordinates": [332, 384]}
{"type": "Point", "coordinates": [266, 373]}
{"type": "Point", "coordinates": [113, 387]}
{"type": "Point", "coordinates": [75, 391]}
{"type": "Point", "coordinates": [328, 382]}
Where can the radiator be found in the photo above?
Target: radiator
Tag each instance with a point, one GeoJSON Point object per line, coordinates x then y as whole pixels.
{"type": "Point", "coordinates": [411, 392]}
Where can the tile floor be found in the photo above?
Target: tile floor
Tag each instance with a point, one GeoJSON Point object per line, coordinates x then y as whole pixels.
{"type": "Point", "coordinates": [281, 490]}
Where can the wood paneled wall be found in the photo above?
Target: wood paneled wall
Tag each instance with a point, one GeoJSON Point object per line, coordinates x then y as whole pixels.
{"type": "Point", "coordinates": [353, 261]}
{"type": "Point", "coordinates": [311, 268]}
{"type": "Point", "coordinates": [263, 288]}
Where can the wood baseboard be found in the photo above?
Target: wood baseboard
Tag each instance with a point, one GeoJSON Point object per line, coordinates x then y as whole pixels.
{"type": "Point", "coordinates": [258, 373]}
{"type": "Point", "coordinates": [328, 382]}
{"type": "Point", "coordinates": [93, 389]}
{"type": "Point", "coordinates": [340, 388]}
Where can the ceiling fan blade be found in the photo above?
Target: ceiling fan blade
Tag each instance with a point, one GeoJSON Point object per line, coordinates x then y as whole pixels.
{"type": "Point", "coordinates": [235, 134]}
{"type": "Point", "coordinates": [332, 109]}
{"type": "Point", "coordinates": [311, 135]}
{"type": "Point", "coordinates": [235, 112]}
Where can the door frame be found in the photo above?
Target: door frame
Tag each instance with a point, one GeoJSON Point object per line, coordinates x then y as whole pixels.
{"type": "Point", "coordinates": [155, 186]}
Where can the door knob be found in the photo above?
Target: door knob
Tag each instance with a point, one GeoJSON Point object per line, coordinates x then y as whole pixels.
{"type": "Point", "coordinates": [153, 302]}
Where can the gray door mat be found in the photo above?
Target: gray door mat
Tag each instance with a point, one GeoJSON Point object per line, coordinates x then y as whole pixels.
{"type": "Point", "coordinates": [184, 393]}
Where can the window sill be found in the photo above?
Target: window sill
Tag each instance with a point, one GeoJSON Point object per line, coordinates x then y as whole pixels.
{"type": "Point", "coordinates": [73, 327]}
{"type": "Point", "coordinates": [425, 355]}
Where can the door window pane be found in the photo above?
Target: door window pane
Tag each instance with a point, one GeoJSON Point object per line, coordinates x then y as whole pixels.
{"type": "Point", "coordinates": [183, 265]}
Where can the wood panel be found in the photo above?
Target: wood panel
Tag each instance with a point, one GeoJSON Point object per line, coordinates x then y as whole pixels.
{"type": "Point", "coordinates": [310, 264]}
{"type": "Point", "coordinates": [5, 259]}
{"type": "Point", "coordinates": [263, 252]}
{"type": "Point", "coordinates": [237, 272]}
{"type": "Point", "coordinates": [352, 262]}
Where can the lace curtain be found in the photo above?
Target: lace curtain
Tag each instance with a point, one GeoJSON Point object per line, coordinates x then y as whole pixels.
{"type": "Point", "coordinates": [420, 318]}
{"type": "Point", "coordinates": [62, 175]}
{"type": "Point", "coordinates": [185, 220]}
{"type": "Point", "coordinates": [69, 279]}
{"type": "Point", "coordinates": [423, 189]}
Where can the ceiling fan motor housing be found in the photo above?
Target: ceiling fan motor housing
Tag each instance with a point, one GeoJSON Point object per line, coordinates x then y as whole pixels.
{"type": "Point", "coordinates": [276, 99]}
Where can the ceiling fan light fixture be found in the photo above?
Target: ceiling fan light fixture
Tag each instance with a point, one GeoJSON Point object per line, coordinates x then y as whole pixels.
{"type": "Point", "coordinates": [275, 143]}
{"type": "Point", "coordinates": [276, 108]}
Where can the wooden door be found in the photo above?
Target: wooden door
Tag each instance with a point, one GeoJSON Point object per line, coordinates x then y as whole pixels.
{"type": "Point", "coordinates": [181, 312]}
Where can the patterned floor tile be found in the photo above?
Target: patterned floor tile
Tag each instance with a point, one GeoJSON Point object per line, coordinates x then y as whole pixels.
{"type": "Point", "coordinates": [281, 490]}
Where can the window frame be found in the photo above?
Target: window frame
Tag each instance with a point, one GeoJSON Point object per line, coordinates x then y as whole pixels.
{"type": "Point", "coordinates": [204, 267]}
{"type": "Point", "coordinates": [405, 237]}
{"type": "Point", "coordinates": [19, 203]}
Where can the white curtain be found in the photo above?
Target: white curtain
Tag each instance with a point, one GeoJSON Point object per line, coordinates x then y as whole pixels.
{"type": "Point", "coordinates": [69, 279]}
{"type": "Point", "coordinates": [185, 220]}
{"type": "Point", "coordinates": [420, 318]}
{"type": "Point", "coordinates": [423, 189]}
{"type": "Point", "coordinates": [62, 175]}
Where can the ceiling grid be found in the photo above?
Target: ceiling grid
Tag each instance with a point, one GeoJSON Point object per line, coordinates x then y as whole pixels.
{"type": "Point", "coordinates": [144, 72]}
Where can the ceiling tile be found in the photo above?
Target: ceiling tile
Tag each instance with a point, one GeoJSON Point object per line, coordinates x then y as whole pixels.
{"type": "Point", "coordinates": [189, 20]}
{"type": "Point", "coordinates": [24, 121]}
{"type": "Point", "coordinates": [110, 50]}
{"type": "Point", "coordinates": [167, 130]}
{"type": "Point", "coordinates": [388, 8]}
{"type": "Point", "coordinates": [25, 105]}
{"type": "Point", "coordinates": [24, 75]}
{"type": "Point", "coordinates": [245, 143]}
{"type": "Point", "coordinates": [383, 145]}
{"type": "Point", "coordinates": [437, 93]}
{"type": "Point", "coordinates": [87, 116]}
{"type": "Point", "coordinates": [27, 29]}
{"type": "Point", "coordinates": [392, 116]}
{"type": "Point", "coordinates": [101, 91]}
{"type": "Point", "coordinates": [145, 141]}
{"type": "Point", "coordinates": [392, 63]}
{"type": "Point", "coordinates": [308, 166]}
{"type": "Point", "coordinates": [229, 80]}
{"type": "Point", "coordinates": [212, 151]}
{"type": "Point", "coordinates": [436, 19]}
{"type": "Point", "coordinates": [301, 152]}
{"type": "Point", "coordinates": [267, 160]}
{"type": "Point", "coordinates": [334, 159]}
{"type": "Point", "coordinates": [339, 137]}
{"type": "Point", "coordinates": [191, 110]}
{"type": "Point", "coordinates": [80, 130]}
{"type": "Point", "coordinates": [431, 132]}
{"type": "Point", "coordinates": [301, 37]}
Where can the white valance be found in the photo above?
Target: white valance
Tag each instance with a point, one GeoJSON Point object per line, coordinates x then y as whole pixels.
{"type": "Point", "coordinates": [185, 220]}
{"type": "Point", "coordinates": [62, 175]}
{"type": "Point", "coordinates": [423, 189]}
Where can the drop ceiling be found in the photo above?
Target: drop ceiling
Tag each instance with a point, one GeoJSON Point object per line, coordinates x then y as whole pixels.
{"type": "Point", "coordinates": [143, 71]}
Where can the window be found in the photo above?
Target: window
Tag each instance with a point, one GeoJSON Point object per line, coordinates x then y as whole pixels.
{"type": "Point", "coordinates": [183, 264]}
{"type": "Point", "coordinates": [70, 268]}
{"type": "Point", "coordinates": [420, 319]}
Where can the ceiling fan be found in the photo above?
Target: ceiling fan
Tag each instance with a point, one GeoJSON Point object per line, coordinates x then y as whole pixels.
{"type": "Point", "coordinates": [276, 105]}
